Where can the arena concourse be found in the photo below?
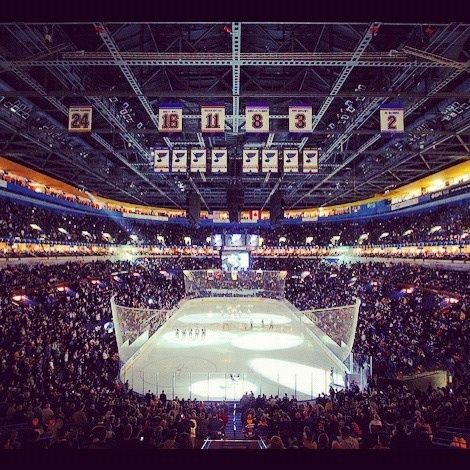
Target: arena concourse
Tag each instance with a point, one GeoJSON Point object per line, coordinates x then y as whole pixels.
{"type": "Point", "coordinates": [234, 235]}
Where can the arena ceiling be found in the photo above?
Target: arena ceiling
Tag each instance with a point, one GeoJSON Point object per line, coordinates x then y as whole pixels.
{"type": "Point", "coordinates": [125, 71]}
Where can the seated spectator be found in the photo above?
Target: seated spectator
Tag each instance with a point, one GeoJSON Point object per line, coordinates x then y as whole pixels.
{"type": "Point", "coordinates": [383, 441]}
{"type": "Point", "coordinates": [275, 443]}
{"type": "Point", "coordinates": [323, 441]}
{"type": "Point", "coordinates": [170, 442]}
{"type": "Point", "coordinates": [345, 441]}
{"type": "Point", "coordinates": [262, 428]}
{"type": "Point", "coordinates": [307, 441]}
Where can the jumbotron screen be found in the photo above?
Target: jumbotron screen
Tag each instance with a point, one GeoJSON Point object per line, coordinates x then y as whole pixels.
{"type": "Point", "coordinates": [235, 260]}
{"type": "Point", "coordinates": [234, 239]}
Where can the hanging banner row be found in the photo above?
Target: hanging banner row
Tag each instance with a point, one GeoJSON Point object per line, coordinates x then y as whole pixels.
{"type": "Point", "coordinates": [198, 160]}
{"type": "Point", "coordinates": [256, 119]}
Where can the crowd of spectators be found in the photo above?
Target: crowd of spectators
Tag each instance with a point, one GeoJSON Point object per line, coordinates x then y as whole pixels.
{"type": "Point", "coordinates": [26, 222]}
{"type": "Point", "coordinates": [84, 199]}
{"type": "Point", "coordinates": [394, 417]}
{"type": "Point", "coordinates": [449, 224]}
{"type": "Point", "coordinates": [48, 190]}
{"type": "Point", "coordinates": [58, 362]}
{"type": "Point", "coordinates": [411, 318]}
{"type": "Point", "coordinates": [453, 220]}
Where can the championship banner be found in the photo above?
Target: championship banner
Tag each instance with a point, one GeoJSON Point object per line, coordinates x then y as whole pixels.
{"type": "Point", "coordinates": [161, 160]}
{"type": "Point", "coordinates": [392, 120]}
{"type": "Point", "coordinates": [198, 160]}
{"type": "Point", "coordinates": [250, 160]}
{"type": "Point", "coordinates": [179, 161]}
{"type": "Point", "coordinates": [300, 119]}
{"type": "Point", "coordinates": [80, 118]}
{"type": "Point", "coordinates": [219, 160]}
{"type": "Point", "coordinates": [310, 160]}
{"type": "Point", "coordinates": [291, 160]}
{"type": "Point", "coordinates": [170, 118]}
{"type": "Point", "coordinates": [269, 160]}
{"type": "Point", "coordinates": [257, 118]}
{"type": "Point", "coordinates": [213, 119]}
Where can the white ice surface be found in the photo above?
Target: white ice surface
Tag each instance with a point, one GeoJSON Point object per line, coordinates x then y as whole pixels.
{"type": "Point", "coordinates": [233, 357]}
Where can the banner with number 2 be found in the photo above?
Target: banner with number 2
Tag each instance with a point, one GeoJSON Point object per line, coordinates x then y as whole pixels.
{"type": "Point", "coordinates": [392, 120]}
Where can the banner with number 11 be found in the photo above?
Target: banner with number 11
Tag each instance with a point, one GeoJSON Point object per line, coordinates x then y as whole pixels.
{"type": "Point", "coordinates": [213, 119]}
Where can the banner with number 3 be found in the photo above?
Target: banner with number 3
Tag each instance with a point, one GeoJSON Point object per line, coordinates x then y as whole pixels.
{"type": "Point", "coordinates": [300, 119]}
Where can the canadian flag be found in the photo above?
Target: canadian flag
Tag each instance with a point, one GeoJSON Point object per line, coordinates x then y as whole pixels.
{"type": "Point", "coordinates": [254, 215]}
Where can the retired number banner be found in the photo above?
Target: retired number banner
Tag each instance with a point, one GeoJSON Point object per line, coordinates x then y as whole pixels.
{"type": "Point", "coordinates": [250, 160]}
{"type": "Point", "coordinates": [170, 119]}
{"type": "Point", "coordinates": [198, 160]}
{"type": "Point", "coordinates": [219, 160]}
{"type": "Point", "coordinates": [269, 160]}
{"type": "Point", "coordinates": [392, 120]}
{"type": "Point", "coordinates": [257, 118]}
{"type": "Point", "coordinates": [213, 119]}
{"type": "Point", "coordinates": [291, 160]}
{"type": "Point", "coordinates": [80, 118]}
{"type": "Point", "coordinates": [310, 160]}
{"type": "Point", "coordinates": [179, 161]}
{"type": "Point", "coordinates": [161, 160]}
{"type": "Point", "coordinates": [300, 119]}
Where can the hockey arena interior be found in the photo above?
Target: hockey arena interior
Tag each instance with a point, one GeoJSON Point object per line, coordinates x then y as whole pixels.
{"type": "Point", "coordinates": [234, 235]}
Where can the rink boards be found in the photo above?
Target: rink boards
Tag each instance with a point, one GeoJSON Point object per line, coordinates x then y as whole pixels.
{"type": "Point", "coordinates": [235, 355]}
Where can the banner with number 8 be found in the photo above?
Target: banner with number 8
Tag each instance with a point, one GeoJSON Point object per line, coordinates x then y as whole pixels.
{"type": "Point", "coordinates": [257, 119]}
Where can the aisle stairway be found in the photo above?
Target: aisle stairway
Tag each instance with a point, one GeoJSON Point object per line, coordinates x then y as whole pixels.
{"type": "Point", "coordinates": [237, 425]}
{"type": "Point", "coordinates": [234, 438]}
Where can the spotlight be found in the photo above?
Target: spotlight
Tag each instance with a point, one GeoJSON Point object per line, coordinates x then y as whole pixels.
{"type": "Point", "coordinates": [228, 29]}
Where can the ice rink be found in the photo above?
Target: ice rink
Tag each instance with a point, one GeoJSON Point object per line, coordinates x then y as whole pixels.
{"type": "Point", "coordinates": [218, 348]}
